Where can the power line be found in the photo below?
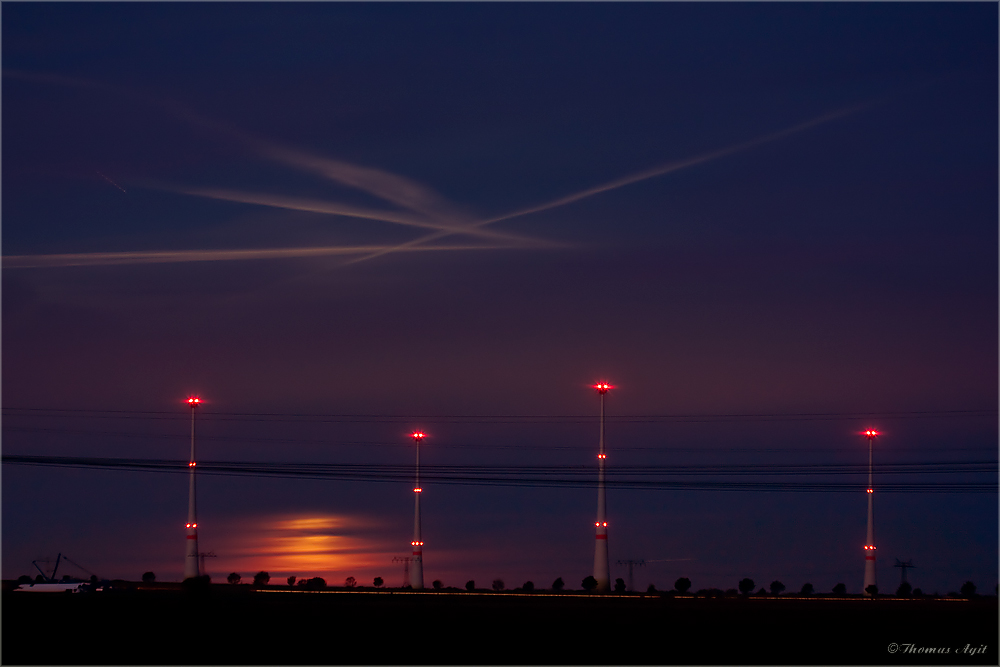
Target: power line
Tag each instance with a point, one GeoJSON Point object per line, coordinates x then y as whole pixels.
{"type": "Point", "coordinates": [460, 445]}
{"type": "Point", "coordinates": [539, 476]}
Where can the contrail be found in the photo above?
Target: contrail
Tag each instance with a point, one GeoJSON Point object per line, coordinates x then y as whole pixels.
{"type": "Point", "coordinates": [635, 178]}
{"type": "Point", "coordinates": [179, 256]}
{"type": "Point", "coordinates": [112, 182]}
{"type": "Point", "coordinates": [333, 208]}
{"type": "Point", "coordinates": [385, 185]}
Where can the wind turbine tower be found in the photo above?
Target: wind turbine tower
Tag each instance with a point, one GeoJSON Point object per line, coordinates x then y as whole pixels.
{"type": "Point", "coordinates": [191, 568]}
{"type": "Point", "coordinates": [871, 434]}
{"type": "Point", "coordinates": [602, 569]}
{"type": "Point", "coordinates": [417, 570]}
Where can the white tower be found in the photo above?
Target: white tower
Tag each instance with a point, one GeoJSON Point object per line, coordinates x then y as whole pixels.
{"type": "Point", "coordinates": [871, 434]}
{"type": "Point", "coordinates": [191, 569]}
{"type": "Point", "coordinates": [602, 569]}
{"type": "Point", "coordinates": [417, 569]}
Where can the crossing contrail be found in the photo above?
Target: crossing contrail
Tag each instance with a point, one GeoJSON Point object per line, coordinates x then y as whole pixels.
{"type": "Point", "coordinates": [334, 208]}
{"type": "Point", "coordinates": [661, 170]}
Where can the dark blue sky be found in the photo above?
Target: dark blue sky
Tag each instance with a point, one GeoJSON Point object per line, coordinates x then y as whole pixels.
{"type": "Point", "coordinates": [481, 209]}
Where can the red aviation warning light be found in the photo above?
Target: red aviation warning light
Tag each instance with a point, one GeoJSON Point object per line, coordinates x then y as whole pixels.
{"type": "Point", "coordinates": [418, 436]}
{"type": "Point", "coordinates": [193, 401]}
{"type": "Point", "coordinates": [871, 433]}
{"type": "Point", "coordinates": [603, 387]}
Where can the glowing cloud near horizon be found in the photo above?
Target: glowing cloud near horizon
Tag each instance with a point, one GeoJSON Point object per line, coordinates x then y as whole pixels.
{"type": "Point", "coordinates": [332, 546]}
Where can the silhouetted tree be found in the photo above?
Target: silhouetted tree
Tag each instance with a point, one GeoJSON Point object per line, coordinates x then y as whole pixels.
{"type": "Point", "coordinates": [39, 579]}
{"type": "Point", "coordinates": [746, 586]}
{"type": "Point", "coordinates": [470, 585]}
{"type": "Point", "coordinates": [528, 587]}
{"type": "Point", "coordinates": [904, 590]}
{"type": "Point", "coordinates": [378, 582]}
{"type": "Point", "coordinates": [777, 587]}
{"type": "Point", "coordinates": [261, 578]}
{"type": "Point", "coordinates": [917, 593]}
{"type": "Point", "coordinates": [589, 583]}
{"type": "Point", "coordinates": [840, 589]}
{"type": "Point", "coordinates": [291, 581]}
{"type": "Point", "coordinates": [23, 579]}
{"type": "Point", "coordinates": [872, 590]}
{"type": "Point", "coordinates": [437, 584]}
{"type": "Point", "coordinates": [148, 577]}
{"type": "Point", "coordinates": [968, 589]}
{"type": "Point", "coordinates": [498, 585]}
{"type": "Point", "coordinates": [651, 589]}
{"type": "Point", "coordinates": [682, 585]}
{"type": "Point", "coordinates": [807, 589]}
{"type": "Point", "coordinates": [314, 584]}
{"type": "Point", "coordinates": [558, 584]}
{"type": "Point", "coordinates": [619, 585]}
{"type": "Point", "coordinates": [350, 582]}
{"type": "Point", "coordinates": [234, 578]}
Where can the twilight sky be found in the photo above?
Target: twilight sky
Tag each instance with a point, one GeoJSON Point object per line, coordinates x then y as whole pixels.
{"type": "Point", "coordinates": [770, 226]}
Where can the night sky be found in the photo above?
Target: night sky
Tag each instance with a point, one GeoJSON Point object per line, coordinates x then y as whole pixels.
{"type": "Point", "coordinates": [770, 226]}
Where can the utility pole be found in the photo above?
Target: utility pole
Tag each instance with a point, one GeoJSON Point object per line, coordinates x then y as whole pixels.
{"type": "Point", "coordinates": [631, 564]}
{"type": "Point", "coordinates": [903, 566]}
{"type": "Point", "coordinates": [405, 560]}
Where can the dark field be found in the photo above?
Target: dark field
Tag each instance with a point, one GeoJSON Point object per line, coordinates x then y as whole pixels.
{"type": "Point", "coordinates": [235, 625]}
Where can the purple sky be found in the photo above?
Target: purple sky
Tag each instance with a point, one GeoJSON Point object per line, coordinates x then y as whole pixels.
{"type": "Point", "coordinates": [306, 213]}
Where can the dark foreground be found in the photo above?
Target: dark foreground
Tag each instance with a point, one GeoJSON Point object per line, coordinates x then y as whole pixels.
{"type": "Point", "coordinates": [278, 628]}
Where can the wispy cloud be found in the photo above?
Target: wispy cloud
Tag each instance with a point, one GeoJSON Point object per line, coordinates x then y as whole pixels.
{"type": "Point", "coordinates": [660, 170]}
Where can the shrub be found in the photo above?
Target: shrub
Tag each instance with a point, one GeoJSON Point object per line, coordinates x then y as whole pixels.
{"type": "Point", "coordinates": [682, 585]}
{"type": "Point", "coordinates": [746, 586]}
{"type": "Point", "coordinates": [807, 589]}
{"type": "Point", "coordinates": [470, 585]}
{"type": "Point", "coordinates": [777, 587]}
{"type": "Point", "coordinates": [234, 578]}
{"type": "Point", "coordinates": [261, 578]}
{"type": "Point", "coordinates": [968, 589]}
{"type": "Point", "coordinates": [619, 585]}
{"type": "Point", "coordinates": [148, 577]}
{"type": "Point", "coordinates": [437, 584]}
{"type": "Point", "coordinates": [528, 586]}
{"type": "Point", "coordinates": [498, 585]}
{"type": "Point", "coordinates": [840, 589]}
{"type": "Point", "coordinates": [589, 583]}
{"type": "Point", "coordinates": [378, 583]}
{"type": "Point", "coordinates": [350, 582]}
{"type": "Point", "coordinates": [558, 584]}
